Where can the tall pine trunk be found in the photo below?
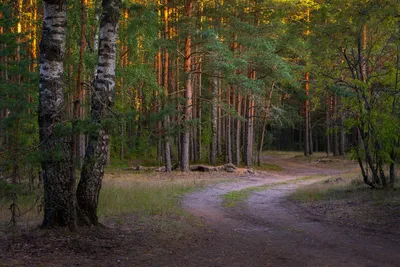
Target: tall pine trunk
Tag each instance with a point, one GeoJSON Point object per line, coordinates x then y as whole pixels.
{"type": "Point", "coordinates": [265, 124]}
{"type": "Point", "coordinates": [214, 120]}
{"type": "Point", "coordinates": [184, 158]}
{"type": "Point", "coordinates": [58, 178]}
{"type": "Point", "coordinates": [102, 101]}
{"type": "Point", "coordinates": [307, 151]}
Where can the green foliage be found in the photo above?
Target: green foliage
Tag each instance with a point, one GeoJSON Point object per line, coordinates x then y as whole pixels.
{"type": "Point", "coordinates": [18, 96]}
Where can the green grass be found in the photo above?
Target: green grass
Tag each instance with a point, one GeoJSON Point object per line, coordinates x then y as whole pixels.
{"type": "Point", "coordinates": [348, 186]}
{"type": "Point", "coordinates": [236, 197]}
{"type": "Point", "coordinates": [268, 167]}
{"type": "Point", "coordinates": [147, 196]}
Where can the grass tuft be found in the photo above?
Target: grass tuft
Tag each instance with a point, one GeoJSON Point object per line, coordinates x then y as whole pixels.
{"type": "Point", "coordinates": [236, 197]}
{"type": "Point", "coordinates": [268, 167]}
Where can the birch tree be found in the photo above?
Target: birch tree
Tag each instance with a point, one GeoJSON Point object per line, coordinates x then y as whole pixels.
{"type": "Point", "coordinates": [102, 102]}
{"type": "Point", "coordinates": [58, 178]}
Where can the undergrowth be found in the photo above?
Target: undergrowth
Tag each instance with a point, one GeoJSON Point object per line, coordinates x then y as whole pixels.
{"type": "Point", "coordinates": [346, 187]}
{"type": "Point", "coordinates": [147, 195]}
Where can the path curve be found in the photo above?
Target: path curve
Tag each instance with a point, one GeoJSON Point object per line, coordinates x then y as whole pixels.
{"type": "Point", "coordinates": [269, 230]}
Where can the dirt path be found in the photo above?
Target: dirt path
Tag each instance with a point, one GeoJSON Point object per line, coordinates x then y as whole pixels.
{"type": "Point", "coordinates": [266, 230]}
{"type": "Point", "coordinates": [269, 230]}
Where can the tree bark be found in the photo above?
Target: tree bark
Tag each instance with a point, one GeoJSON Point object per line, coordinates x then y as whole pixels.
{"type": "Point", "coordinates": [78, 140]}
{"type": "Point", "coordinates": [239, 107]}
{"type": "Point", "coordinates": [102, 101]}
{"type": "Point", "coordinates": [214, 121]}
{"type": "Point", "coordinates": [267, 108]}
{"type": "Point", "coordinates": [307, 118]}
{"type": "Point", "coordinates": [184, 160]}
{"type": "Point", "coordinates": [328, 123]}
{"type": "Point", "coordinates": [58, 178]}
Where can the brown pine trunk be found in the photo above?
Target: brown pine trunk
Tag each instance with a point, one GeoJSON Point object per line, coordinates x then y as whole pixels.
{"type": "Point", "coordinates": [184, 161]}
{"type": "Point", "coordinates": [307, 118]}
{"type": "Point", "coordinates": [328, 123]}
{"type": "Point", "coordinates": [335, 135]}
{"type": "Point", "coordinates": [267, 108]}
{"type": "Point", "coordinates": [238, 130]}
{"type": "Point", "coordinates": [167, 142]}
{"type": "Point", "coordinates": [214, 120]}
{"type": "Point", "coordinates": [228, 128]}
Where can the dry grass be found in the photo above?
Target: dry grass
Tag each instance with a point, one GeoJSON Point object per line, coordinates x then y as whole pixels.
{"type": "Point", "coordinates": [348, 200]}
{"type": "Point", "coordinates": [149, 193]}
{"type": "Point", "coordinates": [125, 192]}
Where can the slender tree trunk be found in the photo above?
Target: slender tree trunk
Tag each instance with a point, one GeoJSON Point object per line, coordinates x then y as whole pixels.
{"type": "Point", "coordinates": [310, 135]}
{"type": "Point", "coordinates": [307, 118]}
{"type": "Point", "coordinates": [219, 116]}
{"type": "Point", "coordinates": [214, 120]}
{"type": "Point", "coordinates": [102, 101]}
{"type": "Point", "coordinates": [267, 108]}
{"type": "Point", "coordinates": [228, 128]}
{"type": "Point", "coordinates": [58, 180]}
{"type": "Point", "coordinates": [184, 164]}
{"type": "Point", "coordinates": [167, 142]}
{"type": "Point", "coordinates": [328, 123]}
{"type": "Point", "coordinates": [199, 131]}
{"type": "Point", "coordinates": [238, 130]}
{"type": "Point", "coordinates": [76, 144]}
{"type": "Point", "coordinates": [250, 126]}
{"type": "Point", "coordinates": [335, 129]}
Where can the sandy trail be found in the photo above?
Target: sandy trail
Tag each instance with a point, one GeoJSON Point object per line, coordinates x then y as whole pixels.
{"type": "Point", "coordinates": [269, 230]}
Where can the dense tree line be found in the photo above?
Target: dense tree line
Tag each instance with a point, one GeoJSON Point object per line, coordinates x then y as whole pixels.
{"type": "Point", "coordinates": [188, 81]}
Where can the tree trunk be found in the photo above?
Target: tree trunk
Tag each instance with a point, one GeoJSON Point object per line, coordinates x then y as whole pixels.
{"type": "Point", "coordinates": [228, 128]}
{"type": "Point", "coordinates": [58, 178]}
{"type": "Point", "coordinates": [307, 118]}
{"type": "Point", "coordinates": [78, 140]}
{"type": "Point", "coordinates": [335, 134]}
{"type": "Point", "coordinates": [214, 120]}
{"type": "Point", "coordinates": [102, 101]}
{"type": "Point", "coordinates": [249, 137]}
{"type": "Point", "coordinates": [328, 123]}
{"type": "Point", "coordinates": [265, 125]}
{"type": "Point", "coordinates": [167, 141]}
{"type": "Point", "coordinates": [184, 161]}
{"type": "Point", "coordinates": [239, 107]}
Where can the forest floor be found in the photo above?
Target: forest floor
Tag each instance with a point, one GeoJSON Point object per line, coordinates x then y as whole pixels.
{"type": "Point", "coordinates": [264, 225]}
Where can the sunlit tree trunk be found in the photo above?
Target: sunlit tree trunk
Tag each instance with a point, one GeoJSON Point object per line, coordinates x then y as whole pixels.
{"type": "Point", "coordinates": [167, 142]}
{"type": "Point", "coordinates": [102, 101]}
{"type": "Point", "coordinates": [58, 180]}
{"type": "Point", "coordinates": [184, 161]}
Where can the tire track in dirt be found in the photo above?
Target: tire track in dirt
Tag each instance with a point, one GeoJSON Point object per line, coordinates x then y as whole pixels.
{"type": "Point", "coordinates": [269, 230]}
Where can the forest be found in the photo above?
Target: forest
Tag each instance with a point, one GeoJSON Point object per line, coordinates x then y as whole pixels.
{"type": "Point", "coordinates": [173, 87]}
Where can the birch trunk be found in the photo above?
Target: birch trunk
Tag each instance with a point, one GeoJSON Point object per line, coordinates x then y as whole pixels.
{"type": "Point", "coordinates": [102, 101]}
{"type": "Point", "coordinates": [58, 178]}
